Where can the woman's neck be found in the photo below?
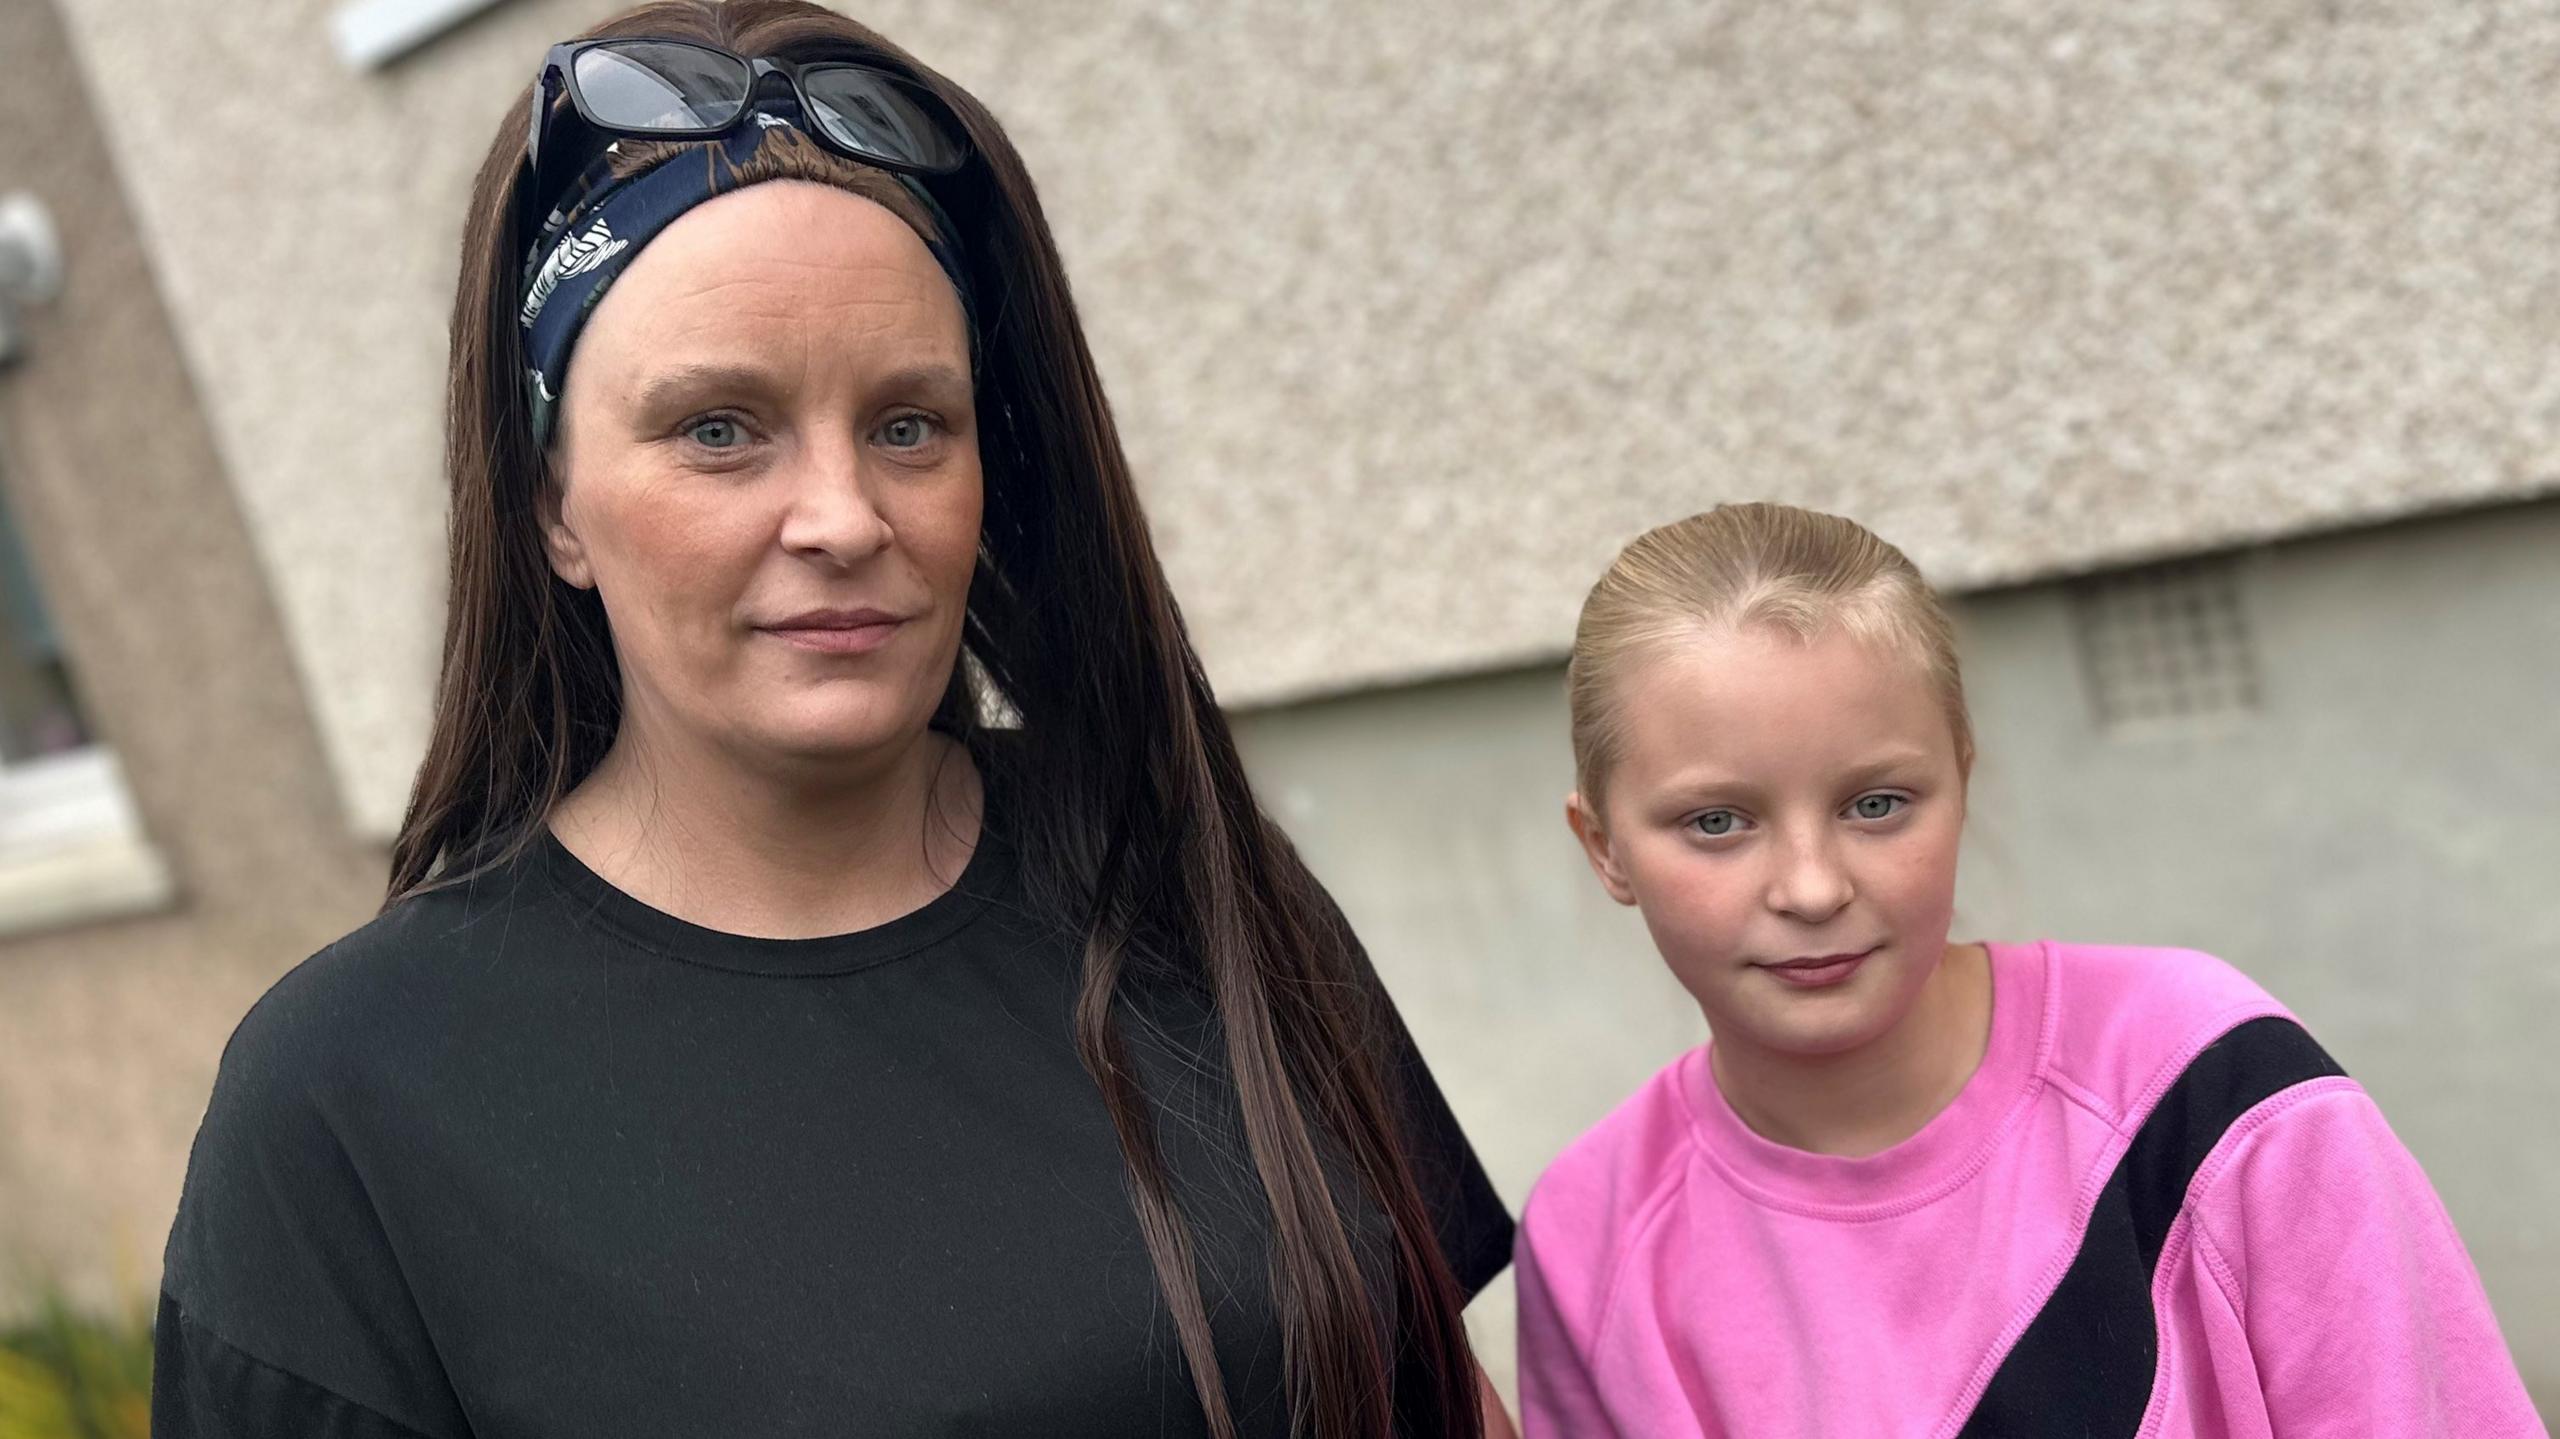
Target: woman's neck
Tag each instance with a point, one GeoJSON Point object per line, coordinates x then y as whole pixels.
{"type": "Point", "coordinates": [1868, 1099]}
{"type": "Point", "coordinates": [777, 855]}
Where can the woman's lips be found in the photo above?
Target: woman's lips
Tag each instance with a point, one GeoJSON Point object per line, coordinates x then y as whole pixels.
{"type": "Point", "coordinates": [838, 639]}
{"type": "Point", "coordinates": [1818, 972]}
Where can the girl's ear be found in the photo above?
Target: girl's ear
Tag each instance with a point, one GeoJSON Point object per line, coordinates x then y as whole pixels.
{"type": "Point", "coordinates": [1583, 818]}
{"type": "Point", "coordinates": [568, 553]}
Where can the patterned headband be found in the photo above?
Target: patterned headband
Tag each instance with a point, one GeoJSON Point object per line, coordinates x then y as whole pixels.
{"type": "Point", "coordinates": [593, 235]}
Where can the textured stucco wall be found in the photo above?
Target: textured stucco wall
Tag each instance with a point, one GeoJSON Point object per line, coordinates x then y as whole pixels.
{"type": "Point", "coordinates": [2375, 845]}
{"type": "Point", "coordinates": [1414, 311]}
{"type": "Point", "coordinates": [109, 1032]}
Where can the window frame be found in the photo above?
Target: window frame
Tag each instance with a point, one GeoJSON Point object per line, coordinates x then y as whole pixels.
{"type": "Point", "coordinates": [72, 846]}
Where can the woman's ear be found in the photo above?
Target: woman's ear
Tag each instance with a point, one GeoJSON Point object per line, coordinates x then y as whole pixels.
{"type": "Point", "coordinates": [1583, 818]}
{"type": "Point", "coordinates": [568, 553]}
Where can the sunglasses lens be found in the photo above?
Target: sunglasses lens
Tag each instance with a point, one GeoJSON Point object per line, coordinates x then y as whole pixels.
{"type": "Point", "coordinates": [871, 114]}
{"type": "Point", "coordinates": [652, 85]}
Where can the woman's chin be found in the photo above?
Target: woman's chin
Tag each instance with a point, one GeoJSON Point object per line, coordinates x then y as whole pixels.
{"type": "Point", "coordinates": [816, 738]}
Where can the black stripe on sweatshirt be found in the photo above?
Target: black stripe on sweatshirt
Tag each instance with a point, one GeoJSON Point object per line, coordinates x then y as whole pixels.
{"type": "Point", "coordinates": [2085, 1364]}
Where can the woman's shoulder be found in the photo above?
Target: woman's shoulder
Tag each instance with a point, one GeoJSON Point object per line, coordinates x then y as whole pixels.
{"type": "Point", "coordinates": [278, 1251]}
{"type": "Point", "coordinates": [2128, 1018]}
{"type": "Point", "coordinates": [345, 1008]}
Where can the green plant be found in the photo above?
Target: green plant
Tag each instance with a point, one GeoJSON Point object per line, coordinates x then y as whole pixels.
{"type": "Point", "coordinates": [67, 1375]}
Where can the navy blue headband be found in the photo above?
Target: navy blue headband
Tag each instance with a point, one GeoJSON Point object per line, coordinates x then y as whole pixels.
{"type": "Point", "coordinates": [601, 226]}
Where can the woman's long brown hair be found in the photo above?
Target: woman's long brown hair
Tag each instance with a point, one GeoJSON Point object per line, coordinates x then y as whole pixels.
{"type": "Point", "coordinates": [1136, 827]}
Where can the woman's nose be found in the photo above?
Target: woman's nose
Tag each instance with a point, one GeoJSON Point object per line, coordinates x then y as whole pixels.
{"type": "Point", "coordinates": [834, 515]}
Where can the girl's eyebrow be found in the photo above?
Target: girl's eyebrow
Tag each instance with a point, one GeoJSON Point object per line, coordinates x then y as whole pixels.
{"type": "Point", "coordinates": [1888, 763]}
{"type": "Point", "coordinates": [1690, 785]}
{"type": "Point", "coordinates": [1693, 785]}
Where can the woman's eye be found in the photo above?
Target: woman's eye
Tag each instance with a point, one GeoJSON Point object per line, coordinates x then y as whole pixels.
{"type": "Point", "coordinates": [906, 432]}
{"type": "Point", "coordinates": [718, 432]}
{"type": "Point", "coordinates": [1717, 823]}
{"type": "Point", "coordinates": [1877, 806]}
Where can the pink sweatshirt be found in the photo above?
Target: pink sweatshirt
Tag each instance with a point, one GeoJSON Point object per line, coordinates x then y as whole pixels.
{"type": "Point", "coordinates": [2158, 1209]}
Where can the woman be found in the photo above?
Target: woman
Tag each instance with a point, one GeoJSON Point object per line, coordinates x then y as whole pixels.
{"type": "Point", "coordinates": [757, 1040]}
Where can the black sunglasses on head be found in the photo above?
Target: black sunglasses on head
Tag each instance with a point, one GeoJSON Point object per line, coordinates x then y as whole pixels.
{"type": "Point", "coordinates": [685, 90]}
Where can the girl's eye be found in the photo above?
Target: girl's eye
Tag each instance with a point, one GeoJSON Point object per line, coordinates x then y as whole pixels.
{"type": "Point", "coordinates": [1717, 823]}
{"type": "Point", "coordinates": [717, 432]}
{"type": "Point", "coordinates": [1877, 806]}
{"type": "Point", "coordinates": [906, 432]}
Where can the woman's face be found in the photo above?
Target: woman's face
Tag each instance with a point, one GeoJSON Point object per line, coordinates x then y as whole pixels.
{"type": "Point", "coordinates": [768, 466]}
{"type": "Point", "coordinates": [1786, 815]}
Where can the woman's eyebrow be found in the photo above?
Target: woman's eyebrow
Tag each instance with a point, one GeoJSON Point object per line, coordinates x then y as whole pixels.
{"type": "Point", "coordinates": [941, 380]}
{"type": "Point", "coordinates": [686, 381]}
{"type": "Point", "coordinates": [931, 376]}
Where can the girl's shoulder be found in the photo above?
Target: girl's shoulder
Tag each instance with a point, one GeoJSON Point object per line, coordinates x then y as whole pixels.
{"type": "Point", "coordinates": [2127, 1019]}
{"type": "Point", "coordinates": [2147, 984]}
{"type": "Point", "coordinates": [1620, 1167]}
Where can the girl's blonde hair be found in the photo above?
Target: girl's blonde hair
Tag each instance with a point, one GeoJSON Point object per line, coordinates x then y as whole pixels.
{"type": "Point", "coordinates": [1738, 566]}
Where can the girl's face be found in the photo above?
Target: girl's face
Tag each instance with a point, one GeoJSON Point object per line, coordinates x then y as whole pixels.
{"type": "Point", "coordinates": [1785, 814]}
{"type": "Point", "coordinates": [769, 465]}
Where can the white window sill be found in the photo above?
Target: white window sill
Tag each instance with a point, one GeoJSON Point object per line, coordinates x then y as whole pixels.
{"type": "Point", "coordinates": [71, 847]}
{"type": "Point", "coordinates": [373, 33]}
{"type": "Point", "coordinates": [105, 879]}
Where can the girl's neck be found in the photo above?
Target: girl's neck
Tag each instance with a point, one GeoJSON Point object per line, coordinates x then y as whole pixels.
{"type": "Point", "coordinates": [1865, 1100]}
{"type": "Point", "coordinates": [776, 854]}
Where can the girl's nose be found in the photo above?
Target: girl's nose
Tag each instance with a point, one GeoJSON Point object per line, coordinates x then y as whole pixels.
{"type": "Point", "coordinates": [1810, 884]}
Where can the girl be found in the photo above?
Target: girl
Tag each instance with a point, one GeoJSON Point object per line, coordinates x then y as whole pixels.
{"type": "Point", "coordinates": [1922, 1188]}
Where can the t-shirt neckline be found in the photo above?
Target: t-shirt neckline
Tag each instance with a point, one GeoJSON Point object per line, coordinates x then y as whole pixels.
{"type": "Point", "coordinates": [1941, 1156]}
{"type": "Point", "coordinates": [989, 867]}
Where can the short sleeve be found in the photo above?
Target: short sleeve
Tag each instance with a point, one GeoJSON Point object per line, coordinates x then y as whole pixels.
{"type": "Point", "coordinates": [1468, 1218]}
{"type": "Point", "coordinates": [203, 1388]}
{"type": "Point", "coordinates": [284, 1308]}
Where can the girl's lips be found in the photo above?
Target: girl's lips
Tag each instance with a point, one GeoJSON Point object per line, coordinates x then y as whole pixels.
{"type": "Point", "coordinates": [1817, 973]}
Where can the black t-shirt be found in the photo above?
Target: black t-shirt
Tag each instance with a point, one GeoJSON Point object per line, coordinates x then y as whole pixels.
{"type": "Point", "coordinates": [527, 1157]}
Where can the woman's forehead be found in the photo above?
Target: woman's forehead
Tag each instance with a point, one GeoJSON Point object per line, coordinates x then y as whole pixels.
{"type": "Point", "coordinates": [782, 263]}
